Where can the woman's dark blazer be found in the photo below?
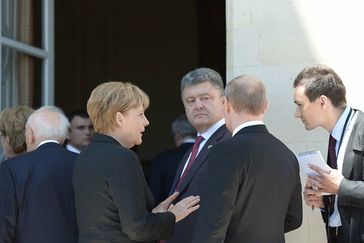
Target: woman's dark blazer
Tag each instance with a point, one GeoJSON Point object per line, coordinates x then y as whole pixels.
{"type": "Point", "coordinates": [113, 200]}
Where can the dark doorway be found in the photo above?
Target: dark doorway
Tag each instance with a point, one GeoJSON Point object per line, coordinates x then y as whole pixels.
{"type": "Point", "coordinates": [149, 43]}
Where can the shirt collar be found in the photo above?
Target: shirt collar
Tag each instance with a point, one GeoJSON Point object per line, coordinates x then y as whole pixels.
{"type": "Point", "coordinates": [338, 129]}
{"type": "Point", "coordinates": [206, 135]}
{"type": "Point", "coordinates": [47, 141]}
{"type": "Point", "coordinates": [188, 140]}
{"type": "Point", "coordinates": [72, 148]}
{"type": "Point", "coordinates": [247, 124]}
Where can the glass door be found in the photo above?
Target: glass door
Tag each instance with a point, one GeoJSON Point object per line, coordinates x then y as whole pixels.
{"type": "Point", "coordinates": [27, 53]}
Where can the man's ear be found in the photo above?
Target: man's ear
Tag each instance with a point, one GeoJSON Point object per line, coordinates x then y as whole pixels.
{"type": "Point", "coordinates": [119, 118]}
{"type": "Point", "coordinates": [265, 106]}
{"type": "Point", "coordinates": [29, 139]}
{"type": "Point", "coordinates": [229, 106]}
{"type": "Point", "coordinates": [324, 101]}
{"type": "Point", "coordinates": [223, 99]}
{"type": "Point", "coordinates": [68, 137]}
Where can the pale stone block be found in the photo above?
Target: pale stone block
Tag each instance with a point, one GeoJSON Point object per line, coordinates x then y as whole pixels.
{"type": "Point", "coordinates": [245, 47]}
{"type": "Point", "coordinates": [283, 50]}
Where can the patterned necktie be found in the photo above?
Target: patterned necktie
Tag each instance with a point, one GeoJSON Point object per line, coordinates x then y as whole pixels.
{"type": "Point", "coordinates": [193, 156]}
{"type": "Point", "coordinates": [332, 161]}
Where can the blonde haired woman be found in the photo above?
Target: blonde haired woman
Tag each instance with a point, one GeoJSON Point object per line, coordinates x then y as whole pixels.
{"type": "Point", "coordinates": [113, 200]}
{"type": "Point", "coordinates": [12, 130]}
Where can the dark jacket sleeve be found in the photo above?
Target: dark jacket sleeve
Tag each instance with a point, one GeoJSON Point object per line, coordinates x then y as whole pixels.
{"type": "Point", "coordinates": [8, 205]}
{"type": "Point", "coordinates": [129, 191]}
{"type": "Point", "coordinates": [294, 213]}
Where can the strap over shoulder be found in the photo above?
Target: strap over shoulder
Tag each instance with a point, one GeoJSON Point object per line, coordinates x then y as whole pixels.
{"type": "Point", "coordinates": [358, 140]}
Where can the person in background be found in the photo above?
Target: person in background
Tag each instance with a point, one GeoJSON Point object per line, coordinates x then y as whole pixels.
{"type": "Point", "coordinates": [202, 93]}
{"type": "Point", "coordinates": [80, 132]}
{"type": "Point", "coordinates": [320, 97]}
{"type": "Point", "coordinates": [164, 164]}
{"type": "Point", "coordinates": [36, 193]}
{"type": "Point", "coordinates": [12, 130]}
{"type": "Point", "coordinates": [113, 200]}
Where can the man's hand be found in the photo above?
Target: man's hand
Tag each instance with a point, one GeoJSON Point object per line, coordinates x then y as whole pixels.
{"type": "Point", "coordinates": [312, 197]}
{"type": "Point", "coordinates": [326, 181]}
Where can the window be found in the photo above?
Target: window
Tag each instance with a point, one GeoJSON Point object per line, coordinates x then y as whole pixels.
{"type": "Point", "coordinates": [27, 55]}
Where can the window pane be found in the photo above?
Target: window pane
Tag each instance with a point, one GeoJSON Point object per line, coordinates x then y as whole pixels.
{"type": "Point", "coordinates": [21, 79]}
{"type": "Point", "coordinates": [21, 21]}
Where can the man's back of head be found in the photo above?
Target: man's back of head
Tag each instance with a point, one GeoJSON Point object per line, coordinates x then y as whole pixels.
{"type": "Point", "coordinates": [245, 101]}
{"type": "Point", "coordinates": [46, 123]}
{"type": "Point", "coordinates": [182, 130]}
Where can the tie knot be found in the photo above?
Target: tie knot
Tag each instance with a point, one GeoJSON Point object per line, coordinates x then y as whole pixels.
{"type": "Point", "coordinates": [198, 140]}
{"type": "Point", "coordinates": [332, 141]}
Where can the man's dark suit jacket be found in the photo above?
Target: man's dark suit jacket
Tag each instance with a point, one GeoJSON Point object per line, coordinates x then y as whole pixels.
{"type": "Point", "coordinates": [252, 191]}
{"type": "Point", "coordinates": [351, 190]}
{"type": "Point", "coordinates": [36, 197]}
{"type": "Point", "coordinates": [163, 171]}
{"type": "Point", "coordinates": [113, 200]}
{"type": "Point", "coordinates": [191, 184]}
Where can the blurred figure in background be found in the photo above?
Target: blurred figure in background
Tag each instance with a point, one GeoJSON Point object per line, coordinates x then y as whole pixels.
{"type": "Point", "coordinates": [164, 164]}
{"type": "Point", "coordinates": [80, 132]}
{"type": "Point", "coordinates": [12, 130]}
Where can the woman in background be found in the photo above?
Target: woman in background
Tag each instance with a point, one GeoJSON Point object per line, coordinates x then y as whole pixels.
{"type": "Point", "coordinates": [12, 130]}
{"type": "Point", "coordinates": [113, 200]}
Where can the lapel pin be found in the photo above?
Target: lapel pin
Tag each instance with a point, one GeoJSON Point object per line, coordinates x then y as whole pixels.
{"type": "Point", "coordinates": [209, 146]}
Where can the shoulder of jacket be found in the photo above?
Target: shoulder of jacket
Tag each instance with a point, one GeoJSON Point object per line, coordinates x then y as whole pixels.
{"type": "Point", "coordinates": [358, 142]}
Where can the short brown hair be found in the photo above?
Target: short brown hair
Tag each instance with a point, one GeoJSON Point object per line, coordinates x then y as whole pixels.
{"type": "Point", "coordinates": [320, 80]}
{"type": "Point", "coordinates": [12, 125]}
{"type": "Point", "coordinates": [111, 97]}
{"type": "Point", "coordinates": [201, 75]}
{"type": "Point", "coordinates": [247, 93]}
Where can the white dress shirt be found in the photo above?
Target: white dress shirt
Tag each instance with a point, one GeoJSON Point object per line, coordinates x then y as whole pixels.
{"type": "Point", "coordinates": [206, 135]}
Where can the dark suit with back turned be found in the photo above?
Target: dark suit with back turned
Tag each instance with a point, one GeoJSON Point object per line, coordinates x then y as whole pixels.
{"type": "Point", "coordinates": [351, 190]}
{"type": "Point", "coordinates": [163, 171]}
{"type": "Point", "coordinates": [252, 191]}
{"type": "Point", "coordinates": [36, 197]}
{"type": "Point", "coordinates": [191, 184]}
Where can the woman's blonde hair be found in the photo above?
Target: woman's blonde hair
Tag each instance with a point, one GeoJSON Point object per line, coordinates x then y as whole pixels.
{"type": "Point", "coordinates": [12, 125]}
{"type": "Point", "coordinates": [111, 97]}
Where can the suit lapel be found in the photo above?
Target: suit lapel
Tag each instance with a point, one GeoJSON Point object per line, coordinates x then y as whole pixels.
{"type": "Point", "coordinates": [179, 171]}
{"type": "Point", "coordinates": [201, 158]}
{"type": "Point", "coordinates": [355, 143]}
{"type": "Point", "coordinates": [348, 158]}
